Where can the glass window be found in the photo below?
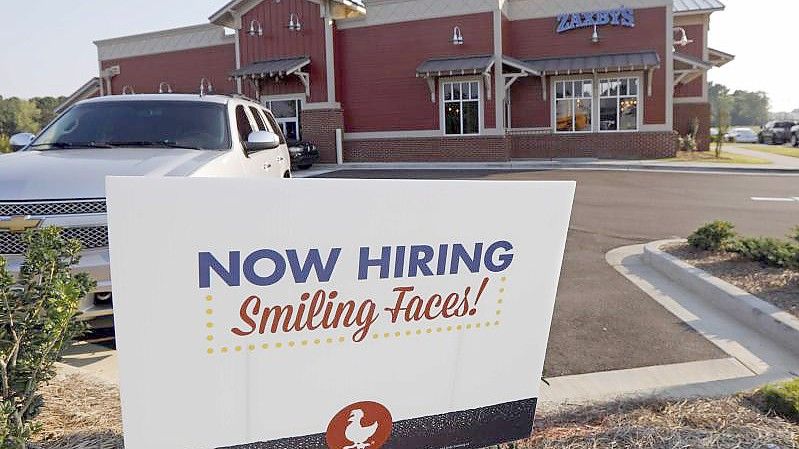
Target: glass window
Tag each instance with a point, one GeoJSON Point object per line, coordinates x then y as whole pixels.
{"type": "Point", "coordinates": [461, 107]}
{"type": "Point", "coordinates": [243, 123]}
{"type": "Point", "coordinates": [158, 123]}
{"type": "Point", "coordinates": [574, 105]}
{"type": "Point", "coordinates": [259, 121]}
{"type": "Point", "coordinates": [288, 114]}
{"type": "Point", "coordinates": [618, 104]}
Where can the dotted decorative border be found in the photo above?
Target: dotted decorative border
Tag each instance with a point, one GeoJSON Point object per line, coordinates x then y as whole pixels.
{"type": "Point", "coordinates": [305, 343]}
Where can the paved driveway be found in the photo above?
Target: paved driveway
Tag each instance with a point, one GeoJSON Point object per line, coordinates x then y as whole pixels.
{"type": "Point", "coordinates": [602, 322]}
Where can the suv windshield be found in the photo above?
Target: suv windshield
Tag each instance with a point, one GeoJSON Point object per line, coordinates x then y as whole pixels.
{"type": "Point", "coordinates": [167, 124]}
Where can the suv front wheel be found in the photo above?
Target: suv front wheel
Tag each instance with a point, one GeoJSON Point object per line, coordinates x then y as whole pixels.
{"type": "Point", "coordinates": [794, 140]}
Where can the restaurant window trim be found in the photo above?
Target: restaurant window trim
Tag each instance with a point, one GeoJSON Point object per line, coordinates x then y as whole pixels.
{"type": "Point", "coordinates": [619, 104]}
{"type": "Point", "coordinates": [461, 107]}
{"type": "Point", "coordinates": [573, 106]}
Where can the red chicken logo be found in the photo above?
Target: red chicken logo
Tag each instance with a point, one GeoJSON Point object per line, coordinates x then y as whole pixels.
{"type": "Point", "coordinates": [365, 425]}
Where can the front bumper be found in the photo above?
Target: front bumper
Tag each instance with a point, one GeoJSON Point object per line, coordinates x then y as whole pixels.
{"type": "Point", "coordinates": [97, 264]}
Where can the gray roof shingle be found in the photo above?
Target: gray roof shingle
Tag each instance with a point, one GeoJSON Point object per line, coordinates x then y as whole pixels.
{"type": "Point", "coordinates": [610, 62]}
{"type": "Point", "coordinates": [455, 66]}
{"type": "Point", "coordinates": [272, 67]}
{"type": "Point", "coordinates": [686, 6]}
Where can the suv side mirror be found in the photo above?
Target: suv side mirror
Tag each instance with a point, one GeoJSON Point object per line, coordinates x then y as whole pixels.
{"type": "Point", "coordinates": [20, 141]}
{"type": "Point", "coordinates": [261, 140]}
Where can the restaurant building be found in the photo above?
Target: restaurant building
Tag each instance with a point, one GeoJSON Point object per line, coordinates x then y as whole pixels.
{"type": "Point", "coordinates": [445, 80]}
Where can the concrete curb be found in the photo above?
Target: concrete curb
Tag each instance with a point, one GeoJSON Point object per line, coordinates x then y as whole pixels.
{"type": "Point", "coordinates": [556, 165]}
{"type": "Point", "coordinates": [748, 309]}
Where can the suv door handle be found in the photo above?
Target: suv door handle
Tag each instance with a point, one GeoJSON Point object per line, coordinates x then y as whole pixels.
{"type": "Point", "coordinates": [267, 166]}
{"type": "Point", "coordinates": [281, 159]}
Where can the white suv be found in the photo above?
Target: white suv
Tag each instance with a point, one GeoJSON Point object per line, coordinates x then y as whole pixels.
{"type": "Point", "coordinates": [58, 177]}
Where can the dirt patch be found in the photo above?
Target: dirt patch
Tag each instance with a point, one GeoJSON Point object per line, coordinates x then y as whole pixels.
{"type": "Point", "coordinates": [79, 413]}
{"type": "Point", "coordinates": [775, 285]}
{"type": "Point", "coordinates": [732, 422]}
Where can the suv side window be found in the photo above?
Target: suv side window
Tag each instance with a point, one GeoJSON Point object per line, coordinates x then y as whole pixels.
{"type": "Point", "coordinates": [258, 120]}
{"type": "Point", "coordinates": [274, 125]}
{"type": "Point", "coordinates": [243, 124]}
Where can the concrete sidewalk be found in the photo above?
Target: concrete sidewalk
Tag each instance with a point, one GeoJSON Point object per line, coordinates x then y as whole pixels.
{"type": "Point", "coordinates": [777, 159]}
{"type": "Point", "coordinates": [566, 164]}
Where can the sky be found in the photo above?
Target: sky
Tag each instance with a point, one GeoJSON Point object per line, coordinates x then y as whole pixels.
{"type": "Point", "coordinates": [46, 45]}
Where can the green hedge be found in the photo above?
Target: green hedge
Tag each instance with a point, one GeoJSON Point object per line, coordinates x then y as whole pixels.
{"type": "Point", "coordinates": [783, 399]}
{"type": "Point", "coordinates": [721, 236]}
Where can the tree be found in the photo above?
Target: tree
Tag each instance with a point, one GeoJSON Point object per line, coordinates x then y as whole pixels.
{"type": "Point", "coordinates": [17, 115]}
{"type": "Point", "coordinates": [750, 108]}
{"type": "Point", "coordinates": [46, 106]}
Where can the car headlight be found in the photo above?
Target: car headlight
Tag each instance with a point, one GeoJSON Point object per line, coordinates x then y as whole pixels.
{"type": "Point", "coordinates": [295, 149]}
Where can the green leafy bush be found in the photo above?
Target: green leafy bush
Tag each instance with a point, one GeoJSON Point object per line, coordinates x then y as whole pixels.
{"type": "Point", "coordinates": [37, 320]}
{"type": "Point", "coordinates": [783, 399]}
{"type": "Point", "coordinates": [5, 144]}
{"type": "Point", "coordinates": [713, 236]}
{"type": "Point", "coordinates": [769, 251]}
{"type": "Point", "coordinates": [795, 234]}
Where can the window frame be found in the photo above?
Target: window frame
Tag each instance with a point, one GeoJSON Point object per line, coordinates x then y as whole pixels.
{"type": "Point", "coordinates": [443, 103]}
{"type": "Point", "coordinates": [597, 78]}
{"type": "Point", "coordinates": [618, 97]}
{"type": "Point", "coordinates": [573, 100]}
{"type": "Point", "coordinates": [266, 101]}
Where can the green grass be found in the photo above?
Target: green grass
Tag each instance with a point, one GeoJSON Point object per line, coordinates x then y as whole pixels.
{"type": "Point", "coordinates": [710, 156]}
{"type": "Point", "coordinates": [782, 150]}
{"type": "Point", "coordinates": [783, 399]}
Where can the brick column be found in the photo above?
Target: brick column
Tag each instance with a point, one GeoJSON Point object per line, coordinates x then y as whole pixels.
{"type": "Point", "coordinates": [319, 127]}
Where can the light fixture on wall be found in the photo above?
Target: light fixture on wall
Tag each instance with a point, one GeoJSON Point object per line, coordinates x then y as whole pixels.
{"type": "Point", "coordinates": [294, 22]}
{"type": "Point", "coordinates": [595, 36]}
{"type": "Point", "coordinates": [683, 40]}
{"type": "Point", "coordinates": [162, 86]}
{"type": "Point", "coordinates": [255, 28]}
{"type": "Point", "coordinates": [457, 36]}
{"type": "Point", "coordinates": [128, 90]}
{"type": "Point", "coordinates": [206, 87]}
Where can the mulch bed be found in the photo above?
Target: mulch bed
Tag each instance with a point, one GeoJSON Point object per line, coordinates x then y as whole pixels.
{"type": "Point", "coordinates": [775, 285]}
{"type": "Point", "coordinates": [82, 413]}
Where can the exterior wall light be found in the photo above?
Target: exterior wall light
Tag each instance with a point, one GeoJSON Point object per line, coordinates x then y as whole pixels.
{"type": "Point", "coordinates": [128, 90]}
{"type": "Point", "coordinates": [294, 22]}
{"type": "Point", "coordinates": [164, 85]}
{"type": "Point", "coordinates": [255, 28]}
{"type": "Point", "coordinates": [683, 41]}
{"type": "Point", "coordinates": [206, 87]}
{"type": "Point", "coordinates": [595, 36]}
{"type": "Point", "coordinates": [457, 36]}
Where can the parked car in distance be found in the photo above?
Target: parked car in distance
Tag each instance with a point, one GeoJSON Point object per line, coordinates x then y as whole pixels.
{"type": "Point", "coordinates": [58, 178]}
{"type": "Point", "coordinates": [303, 154]}
{"type": "Point", "coordinates": [776, 132]}
{"type": "Point", "coordinates": [742, 135]}
{"type": "Point", "coordinates": [795, 136]}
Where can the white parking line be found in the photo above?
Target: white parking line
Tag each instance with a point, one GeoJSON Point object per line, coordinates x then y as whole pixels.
{"type": "Point", "coordinates": [780, 200]}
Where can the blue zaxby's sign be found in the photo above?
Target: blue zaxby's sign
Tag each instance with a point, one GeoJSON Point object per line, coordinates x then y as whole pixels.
{"type": "Point", "coordinates": [624, 17]}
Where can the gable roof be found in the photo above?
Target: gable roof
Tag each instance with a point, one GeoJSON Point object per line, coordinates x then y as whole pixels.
{"type": "Point", "coordinates": [224, 16]}
{"type": "Point", "coordinates": [697, 6]}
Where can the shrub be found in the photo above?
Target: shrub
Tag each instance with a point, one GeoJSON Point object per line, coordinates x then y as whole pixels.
{"type": "Point", "coordinates": [37, 320]}
{"type": "Point", "coordinates": [783, 399]}
{"type": "Point", "coordinates": [769, 251]}
{"type": "Point", "coordinates": [713, 236]}
{"type": "Point", "coordinates": [5, 144]}
{"type": "Point", "coordinates": [795, 234]}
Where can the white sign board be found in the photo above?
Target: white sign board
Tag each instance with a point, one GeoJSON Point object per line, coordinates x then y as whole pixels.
{"type": "Point", "coordinates": [341, 314]}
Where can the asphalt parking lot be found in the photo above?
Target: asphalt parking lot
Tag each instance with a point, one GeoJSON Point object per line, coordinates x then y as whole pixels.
{"type": "Point", "coordinates": [602, 322]}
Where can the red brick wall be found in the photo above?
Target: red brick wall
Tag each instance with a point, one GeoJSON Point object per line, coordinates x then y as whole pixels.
{"type": "Point", "coordinates": [536, 38]}
{"type": "Point", "coordinates": [641, 145]}
{"type": "Point", "coordinates": [319, 127]}
{"type": "Point", "coordinates": [183, 70]}
{"type": "Point", "coordinates": [279, 42]}
{"type": "Point", "coordinates": [528, 108]}
{"type": "Point", "coordinates": [376, 70]}
{"type": "Point", "coordinates": [695, 49]}
{"type": "Point", "coordinates": [684, 115]}
{"type": "Point", "coordinates": [434, 149]}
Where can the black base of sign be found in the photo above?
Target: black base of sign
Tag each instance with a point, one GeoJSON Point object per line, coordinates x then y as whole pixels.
{"type": "Point", "coordinates": [477, 428]}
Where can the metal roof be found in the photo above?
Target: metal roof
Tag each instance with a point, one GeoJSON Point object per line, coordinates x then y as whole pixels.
{"type": "Point", "coordinates": [692, 6]}
{"type": "Point", "coordinates": [232, 5]}
{"type": "Point", "coordinates": [463, 65]}
{"type": "Point", "coordinates": [90, 89]}
{"type": "Point", "coordinates": [693, 61]}
{"type": "Point", "coordinates": [272, 67]}
{"type": "Point", "coordinates": [598, 63]}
